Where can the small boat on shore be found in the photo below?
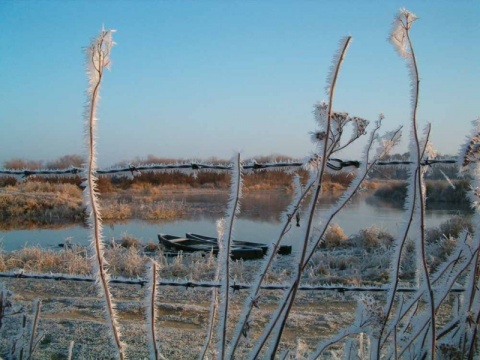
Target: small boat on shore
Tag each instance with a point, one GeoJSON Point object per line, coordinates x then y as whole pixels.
{"type": "Point", "coordinates": [176, 243]}
{"type": "Point", "coordinates": [282, 250]}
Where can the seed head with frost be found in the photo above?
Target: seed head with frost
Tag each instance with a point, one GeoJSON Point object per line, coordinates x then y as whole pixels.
{"type": "Point", "coordinates": [398, 36]}
{"type": "Point", "coordinates": [387, 142]}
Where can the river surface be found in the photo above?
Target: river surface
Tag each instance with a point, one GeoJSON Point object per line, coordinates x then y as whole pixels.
{"type": "Point", "coordinates": [258, 221]}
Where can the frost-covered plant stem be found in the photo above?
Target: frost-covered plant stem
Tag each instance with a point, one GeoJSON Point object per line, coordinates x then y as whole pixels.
{"type": "Point", "coordinates": [391, 139]}
{"type": "Point", "coordinates": [214, 300]}
{"type": "Point", "coordinates": [152, 310]}
{"type": "Point", "coordinates": [33, 330]}
{"type": "Point", "coordinates": [336, 65]}
{"type": "Point", "coordinates": [255, 289]}
{"type": "Point", "coordinates": [400, 38]}
{"type": "Point", "coordinates": [224, 258]}
{"type": "Point", "coordinates": [211, 322]}
{"type": "Point", "coordinates": [98, 59]}
{"type": "Point", "coordinates": [70, 350]}
{"type": "Point", "coordinates": [421, 198]}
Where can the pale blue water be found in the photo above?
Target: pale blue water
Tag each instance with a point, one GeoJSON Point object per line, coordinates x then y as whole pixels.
{"type": "Point", "coordinates": [259, 222]}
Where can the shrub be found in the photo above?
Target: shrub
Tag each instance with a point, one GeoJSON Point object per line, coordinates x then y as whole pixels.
{"type": "Point", "coordinates": [449, 229]}
{"type": "Point", "coordinates": [334, 237]}
{"type": "Point", "coordinates": [373, 238]}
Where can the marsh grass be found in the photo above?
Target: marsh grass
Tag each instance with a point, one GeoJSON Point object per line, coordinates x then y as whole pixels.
{"type": "Point", "coordinates": [126, 259]}
{"type": "Point", "coordinates": [41, 202]}
{"type": "Point", "coordinates": [37, 260]}
{"type": "Point", "coordinates": [49, 203]}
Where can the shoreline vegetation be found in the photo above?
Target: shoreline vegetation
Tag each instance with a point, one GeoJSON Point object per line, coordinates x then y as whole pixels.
{"type": "Point", "coordinates": [359, 259]}
{"type": "Point", "coordinates": [58, 201]}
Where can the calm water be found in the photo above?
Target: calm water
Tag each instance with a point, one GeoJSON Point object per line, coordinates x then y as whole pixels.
{"type": "Point", "coordinates": [258, 221]}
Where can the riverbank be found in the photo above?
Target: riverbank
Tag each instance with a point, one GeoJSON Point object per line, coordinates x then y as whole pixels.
{"type": "Point", "coordinates": [32, 203]}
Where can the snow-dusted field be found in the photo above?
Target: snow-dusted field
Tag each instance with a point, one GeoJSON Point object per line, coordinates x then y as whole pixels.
{"type": "Point", "coordinates": [72, 312]}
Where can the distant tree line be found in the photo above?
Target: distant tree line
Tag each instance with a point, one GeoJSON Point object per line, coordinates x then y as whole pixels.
{"type": "Point", "coordinates": [206, 179]}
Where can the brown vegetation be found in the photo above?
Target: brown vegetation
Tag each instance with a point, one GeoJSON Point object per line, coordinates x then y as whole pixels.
{"type": "Point", "coordinates": [174, 180]}
{"type": "Point", "coordinates": [40, 202]}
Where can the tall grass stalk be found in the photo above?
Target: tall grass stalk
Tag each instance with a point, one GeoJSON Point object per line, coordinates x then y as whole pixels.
{"type": "Point", "coordinates": [327, 150]}
{"type": "Point", "coordinates": [285, 308]}
{"type": "Point", "coordinates": [70, 350]}
{"type": "Point", "coordinates": [386, 144]}
{"type": "Point", "coordinates": [214, 297]}
{"type": "Point", "coordinates": [253, 297]}
{"type": "Point", "coordinates": [97, 60]}
{"type": "Point", "coordinates": [152, 293]}
{"type": "Point", "coordinates": [224, 255]}
{"type": "Point", "coordinates": [400, 38]}
{"type": "Point", "coordinates": [33, 331]}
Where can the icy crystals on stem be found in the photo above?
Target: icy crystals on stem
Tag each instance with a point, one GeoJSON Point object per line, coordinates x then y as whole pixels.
{"type": "Point", "coordinates": [398, 36]}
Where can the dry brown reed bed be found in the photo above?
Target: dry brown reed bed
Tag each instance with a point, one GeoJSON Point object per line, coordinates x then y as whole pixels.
{"type": "Point", "coordinates": [46, 203]}
{"type": "Point", "coordinates": [36, 203]}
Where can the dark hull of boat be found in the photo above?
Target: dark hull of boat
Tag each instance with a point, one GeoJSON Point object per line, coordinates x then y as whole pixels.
{"type": "Point", "coordinates": [282, 250]}
{"type": "Point", "coordinates": [176, 243]}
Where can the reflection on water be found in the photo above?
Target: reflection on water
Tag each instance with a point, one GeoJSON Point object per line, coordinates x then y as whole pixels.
{"type": "Point", "coordinates": [258, 221]}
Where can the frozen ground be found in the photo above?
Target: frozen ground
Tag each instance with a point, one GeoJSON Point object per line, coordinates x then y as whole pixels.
{"type": "Point", "coordinates": [72, 312]}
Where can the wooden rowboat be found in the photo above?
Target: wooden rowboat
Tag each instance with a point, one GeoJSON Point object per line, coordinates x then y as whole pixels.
{"type": "Point", "coordinates": [176, 243]}
{"type": "Point", "coordinates": [282, 250]}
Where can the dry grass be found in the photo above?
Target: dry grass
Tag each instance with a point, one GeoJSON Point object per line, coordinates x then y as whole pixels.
{"type": "Point", "coordinates": [334, 237]}
{"type": "Point", "coordinates": [39, 203]}
{"type": "Point", "coordinates": [450, 228]}
{"type": "Point", "coordinates": [145, 208]}
{"type": "Point", "coordinates": [42, 202]}
{"type": "Point", "coordinates": [72, 261]}
{"type": "Point", "coordinates": [125, 258]}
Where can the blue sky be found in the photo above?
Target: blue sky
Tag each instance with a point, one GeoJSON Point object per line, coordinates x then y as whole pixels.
{"type": "Point", "coordinates": [208, 78]}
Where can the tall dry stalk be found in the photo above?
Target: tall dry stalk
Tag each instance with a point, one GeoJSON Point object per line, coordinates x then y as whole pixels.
{"type": "Point", "coordinates": [97, 60]}
{"type": "Point", "coordinates": [326, 149]}
{"type": "Point", "coordinates": [253, 297]}
{"type": "Point", "coordinates": [33, 342]}
{"type": "Point", "coordinates": [400, 38]}
{"type": "Point", "coordinates": [214, 297]}
{"type": "Point", "coordinates": [224, 256]}
{"type": "Point", "coordinates": [151, 313]}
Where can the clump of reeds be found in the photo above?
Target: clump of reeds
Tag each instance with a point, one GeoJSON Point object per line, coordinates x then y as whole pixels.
{"type": "Point", "coordinates": [373, 238]}
{"type": "Point", "coordinates": [41, 208]}
{"type": "Point", "coordinates": [37, 260]}
{"type": "Point", "coordinates": [128, 262]}
{"type": "Point", "coordinates": [334, 237]}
